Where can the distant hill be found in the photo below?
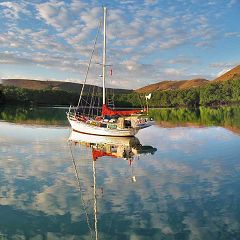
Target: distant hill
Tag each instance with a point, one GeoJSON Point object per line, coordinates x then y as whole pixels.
{"type": "Point", "coordinates": [54, 85]}
{"type": "Point", "coordinates": [160, 86]}
{"type": "Point", "coordinates": [186, 84]}
{"type": "Point", "coordinates": [232, 74]}
{"type": "Point", "coordinates": [171, 85]}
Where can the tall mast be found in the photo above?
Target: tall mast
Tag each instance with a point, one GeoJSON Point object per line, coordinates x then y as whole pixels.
{"type": "Point", "coordinates": [104, 52]}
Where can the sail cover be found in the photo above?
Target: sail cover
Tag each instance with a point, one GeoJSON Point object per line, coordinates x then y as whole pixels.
{"type": "Point", "coordinates": [106, 111]}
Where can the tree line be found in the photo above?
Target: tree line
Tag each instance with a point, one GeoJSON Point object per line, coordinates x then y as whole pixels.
{"type": "Point", "coordinates": [212, 94]}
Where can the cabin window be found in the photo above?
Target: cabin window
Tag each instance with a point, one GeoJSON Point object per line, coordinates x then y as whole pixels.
{"type": "Point", "coordinates": [127, 123]}
{"type": "Point", "coordinates": [104, 125]}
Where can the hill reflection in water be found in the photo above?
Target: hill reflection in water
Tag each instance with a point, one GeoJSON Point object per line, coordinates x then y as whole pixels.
{"type": "Point", "coordinates": [34, 115]}
{"type": "Point", "coordinates": [227, 117]}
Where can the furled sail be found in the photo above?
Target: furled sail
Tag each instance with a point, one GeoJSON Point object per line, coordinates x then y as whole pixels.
{"type": "Point", "coordinates": [106, 111]}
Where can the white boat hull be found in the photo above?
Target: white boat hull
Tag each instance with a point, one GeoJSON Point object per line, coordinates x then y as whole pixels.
{"type": "Point", "coordinates": [83, 127]}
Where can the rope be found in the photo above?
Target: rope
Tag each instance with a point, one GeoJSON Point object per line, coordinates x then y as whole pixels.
{"type": "Point", "coordinates": [89, 64]}
{"type": "Point", "coordinates": [110, 93]}
{"type": "Point", "coordinates": [140, 101]}
{"type": "Point", "coordinates": [91, 103]}
{"type": "Point", "coordinates": [80, 190]}
{"type": "Point", "coordinates": [98, 102]}
{"type": "Point", "coordinates": [87, 103]}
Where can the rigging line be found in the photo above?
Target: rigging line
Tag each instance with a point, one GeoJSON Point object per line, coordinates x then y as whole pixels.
{"type": "Point", "coordinates": [92, 102]}
{"type": "Point", "coordinates": [92, 110]}
{"type": "Point", "coordinates": [87, 97]}
{"type": "Point", "coordinates": [90, 61]}
{"type": "Point", "coordinates": [111, 92]}
{"type": "Point", "coordinates": [80, 190]}
{"type": "Point", "coordinates": [113, 96]}
{"type": "Point", "coordinates": [98, 98]}
{"type": "Point", "coordinates": [140, 101]}
{"type": "Point", "coordinates": [85, 102]}
{"type": "Point", "coordinates": [93, 106]}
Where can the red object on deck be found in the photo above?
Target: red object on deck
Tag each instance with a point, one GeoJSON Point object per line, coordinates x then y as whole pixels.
{"type": "Point", "coordinates": [106, 111]}
{"type": "Point", "coordinates": [98, 153]}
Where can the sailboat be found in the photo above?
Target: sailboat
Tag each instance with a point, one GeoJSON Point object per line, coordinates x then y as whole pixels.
{"type": "Point", "coordinates": [111, 122]}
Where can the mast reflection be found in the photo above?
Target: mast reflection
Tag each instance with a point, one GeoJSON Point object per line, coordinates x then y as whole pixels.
{"type": "Point", "coordinates": [126, 148]}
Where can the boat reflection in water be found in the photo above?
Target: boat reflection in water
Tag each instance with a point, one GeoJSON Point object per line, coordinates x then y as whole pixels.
{"type": "Point", "coordinates": [126, 148]}
{"type": "Point", "coordinates": [116, 147]}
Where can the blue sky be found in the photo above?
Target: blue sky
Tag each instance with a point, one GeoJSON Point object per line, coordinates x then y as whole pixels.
{"type": "Point", "coordinates": [148, 40]}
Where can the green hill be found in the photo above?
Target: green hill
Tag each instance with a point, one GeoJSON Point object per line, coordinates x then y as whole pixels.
{"type": "Point", "coordinates": [223, 90]}
{"type": "Point", "coordinates": [55, 86]}
{"type": "Point", "coordinates": [231, 74]}
{"type": "Point", "coordinates": [187, 84]}
{"type": "Point", "coordinates": [172, 85]}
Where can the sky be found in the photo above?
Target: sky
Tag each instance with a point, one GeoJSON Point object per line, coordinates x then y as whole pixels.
{"type": "Point", "coordinates": [148, 41]}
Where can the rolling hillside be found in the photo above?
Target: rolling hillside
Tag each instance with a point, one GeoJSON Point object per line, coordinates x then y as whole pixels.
{"type": "Point", "coordinates": [53, 85]}
{"type": "Point", "coordinates": [160, 86]}
{"type": "Point", "coordinates": [185, 93]}
{"type": "Point", "coordinates": [187, 84]}
{"type": "Point", "coordinates": [232, 74]}
{"type": "Point", "coordinates": [171, 85]}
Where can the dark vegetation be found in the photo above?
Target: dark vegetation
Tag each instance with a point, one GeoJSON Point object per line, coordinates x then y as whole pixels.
{"type": "Point", "coordinates": [211, 94]}
{"type": "Point", "coordinates": [20, 96]}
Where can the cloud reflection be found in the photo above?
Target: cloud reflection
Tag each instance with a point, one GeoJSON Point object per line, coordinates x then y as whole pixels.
{"type": "Point", "coordinates": [184, 191]}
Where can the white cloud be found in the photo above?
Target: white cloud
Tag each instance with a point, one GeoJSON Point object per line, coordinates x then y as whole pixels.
{"type": "Point", "coordinates": [204, 44]}
{"type": "Point", "coordinates": [12, 10]}
{"type": "Point", "coordinates": [183, 60]}
{"type": "Point", "coordinates": [54, 13]}
{"type": "Point", "coordinates": [172, 43]}
{"type": "Point", "coordinates": [172, 72]}
{"type": "Point", "coordinates": [222, 65]}
{"type": "Point", "coordinates": [232, 3]}
{"type": "Point", "coordinates": [142, 37]}
{"type": "Point", "coordinates": [223, 71]}
{"type": "Point", "coordinates": [150, 2]}
{"type": "Point", "coordinates": [77, 6]}
{"type": "Point", "coordinates": [232, 34]}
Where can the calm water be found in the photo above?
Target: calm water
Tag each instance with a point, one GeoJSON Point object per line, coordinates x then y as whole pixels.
{"type": "Point", "coordinates": [183, 182]}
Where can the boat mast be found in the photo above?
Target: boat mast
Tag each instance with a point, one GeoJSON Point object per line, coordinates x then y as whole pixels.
{"type": "Point", "coordinates": [104, 52]}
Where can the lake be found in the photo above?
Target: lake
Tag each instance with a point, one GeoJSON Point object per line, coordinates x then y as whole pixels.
{"type": "Point", "coordinates": [179, 179]}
